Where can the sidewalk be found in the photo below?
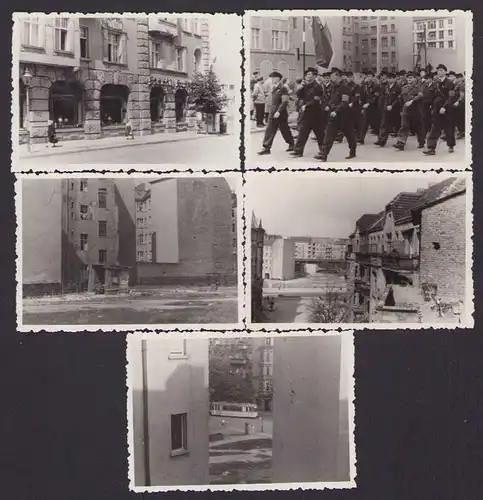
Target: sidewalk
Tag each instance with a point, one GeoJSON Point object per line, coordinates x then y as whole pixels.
{"type": "Point", "coordinates": [82, 145]}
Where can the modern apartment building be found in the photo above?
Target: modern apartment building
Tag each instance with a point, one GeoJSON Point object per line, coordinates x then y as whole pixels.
{"type": "Point", "coordinates": [191, 223]}
{"type": "Point", "coordinates": [169, 394]}
{"type": "Point", "coordinates": [439, 40]}
{"type": "Point", "coordinates": [386, 274]}
{"type": "Point", "coordinates": [268, 241]}
{"type": "Point", "coordinates": [283, 259]}
{"type": "Point", "coordinates": [320, 248]}
{"type": "Point", "coordinates": [89, 74]}
{"type": "Point", "coordinates": [70, 236]}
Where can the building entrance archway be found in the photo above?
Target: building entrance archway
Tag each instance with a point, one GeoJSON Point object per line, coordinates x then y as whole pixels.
{"type": "Point", "coordinates": [157, 103]}
{"type": "Point", "coordinates": [180, 101]}
{"type": "Point", "coordinates": [113, 104]}
{"type": "Point", "coordinates": [65, 104]}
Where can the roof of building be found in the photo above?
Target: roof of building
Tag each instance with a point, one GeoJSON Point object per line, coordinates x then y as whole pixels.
{"type": "Point", "coordinates": [256, 223]}
{"type": "Point", "coordinates": [401, 205]}
{"type": "Point", "coordinates": [440, 191]}
{"type": "Point", "coordinates": [364, 222]}
{"type": "Point", "coordinates": [378, 224]}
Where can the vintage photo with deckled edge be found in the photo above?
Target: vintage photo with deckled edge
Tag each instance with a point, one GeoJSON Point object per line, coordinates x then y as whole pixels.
{"type": "Point", "coordinates": [332, 41]}
{"type": "Point", "coordinates": [192, 277]}
{"type": "Point", "coordinates": [132, 88]}
{"type": "Point", "coordinates": [326, 248]}
{"type": "Point", "coordinates": [176, 438]}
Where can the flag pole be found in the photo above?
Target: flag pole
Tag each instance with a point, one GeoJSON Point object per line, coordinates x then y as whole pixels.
{"type": "Point", "coordinates": [303, 45]}
{"type": "Point", "coordinates": [378, 36]}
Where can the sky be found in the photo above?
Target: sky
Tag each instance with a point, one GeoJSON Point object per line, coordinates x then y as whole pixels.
{"type": "Point", "coordinates": [225, 46]}
{"type": "Point", "coordinates": [325, 204]}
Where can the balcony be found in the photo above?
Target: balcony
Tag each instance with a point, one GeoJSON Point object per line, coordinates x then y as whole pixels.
{"type": "Point", "coordinates": [238, 360]}
{"type": "Point", "coordinates": [162, 26]}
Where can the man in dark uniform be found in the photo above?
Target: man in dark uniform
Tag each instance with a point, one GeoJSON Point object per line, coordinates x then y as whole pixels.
{"type": "Point", "coordinates": [390, 111]}
{"type": "Point", "coordinates": [339, 118]}
{"type": "Point", "coordinates": [383, 83]}
{"type": "Point", "coordinates": [442, 114]}
{"type": "Point", "coordinates": [411, 95]}
{"type": "Point", "coordinates": [311, 95]}
{"type": "Point", "coordinates": [355, 101]}
{"type": "Point", "coordinates": [327, 88]}
{"type": "Point", "coordinates": [427, 85]}
{"type": "Point", "coordinates": [370, 111]}
{"type": "Point", "coordinates": [460, 105]}
{"type": "Point", "coordinates": [277, 116]}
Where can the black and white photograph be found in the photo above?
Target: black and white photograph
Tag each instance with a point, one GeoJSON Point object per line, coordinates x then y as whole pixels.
{"type": "Point", "coordinates": [232, 412]}
{"type": "Point", "coordinates": [134, 89]}
{"type": "Point", "coordinates": [113, 252]}
{"type": "Point", "coordinates": [364, 88]}
{"type": "Point", "coordinates": [390, 249]}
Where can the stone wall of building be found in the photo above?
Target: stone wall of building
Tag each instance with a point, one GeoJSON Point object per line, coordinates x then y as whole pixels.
{"type": "Point", "coordinates": [205, 240]}
{"type": "Point", "coordinates": [443, 247]}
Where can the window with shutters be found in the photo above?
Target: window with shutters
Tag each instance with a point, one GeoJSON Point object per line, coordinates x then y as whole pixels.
{"type": "Point", "coordinates": [114, 46]}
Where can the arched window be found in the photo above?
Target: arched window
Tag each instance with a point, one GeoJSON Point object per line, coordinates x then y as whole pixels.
{"type": "Point", "coordinates": [113, 104]}
{"type": "Point", "coordinates": [157, 103]}
{"type": "Point", "coordinates": [65, 104]}
{"type": "Point", "coordinates": [197, 56]}
{"type": "Point", "coordinates": [180, 98]}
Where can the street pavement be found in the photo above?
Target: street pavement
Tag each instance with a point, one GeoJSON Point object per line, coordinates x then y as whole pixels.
{"type": "Point", "coordinates": [162, 306]}
{"type": "Point", "coordinates": [186, 148]}
{"type": "Point", "coordinates": [365, 153]}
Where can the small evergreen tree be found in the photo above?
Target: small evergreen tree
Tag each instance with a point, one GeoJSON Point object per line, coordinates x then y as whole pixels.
{"type": "Point", "coordinates": [206, 92]}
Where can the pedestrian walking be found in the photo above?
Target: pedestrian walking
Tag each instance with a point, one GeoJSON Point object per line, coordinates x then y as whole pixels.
{"type": "Point", "coordinates": [277, 116]}
{"type": "Point", "coordinates": [258, 96]}
{"type": "Point", "coordinates": [310, 94]}
{"type": "Point", "coordinates": [129, 129]}
{"type": "Point", "coordinates": [51, 134]}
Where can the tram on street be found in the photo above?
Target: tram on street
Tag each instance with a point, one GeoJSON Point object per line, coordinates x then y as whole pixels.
{"type": "Point", "coordinates": [245, 410]}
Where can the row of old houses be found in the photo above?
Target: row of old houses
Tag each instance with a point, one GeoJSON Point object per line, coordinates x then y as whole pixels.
{"type": "Point", "coordinates": [85, 234]}
{"type": "Point", "coordinates": [407, 263]}
{"type": "Point", "coordinates": [90, 74]}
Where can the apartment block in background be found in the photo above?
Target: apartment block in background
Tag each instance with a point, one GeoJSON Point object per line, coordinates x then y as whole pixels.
{"type": "Point", "coordinates": [168, 381]}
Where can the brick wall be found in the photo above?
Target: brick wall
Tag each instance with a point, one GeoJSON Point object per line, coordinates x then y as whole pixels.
{"type": "Point", "coordinates": [204, 235]}
{"type": "Point", "coordinates": [444, 224]}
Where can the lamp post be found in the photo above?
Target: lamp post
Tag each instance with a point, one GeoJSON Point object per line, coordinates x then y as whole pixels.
{"type": "Point", "coordinates": [27, 80]}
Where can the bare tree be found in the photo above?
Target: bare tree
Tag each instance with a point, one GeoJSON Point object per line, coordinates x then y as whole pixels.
{"type": "Point", "coordinates": [334, 306]}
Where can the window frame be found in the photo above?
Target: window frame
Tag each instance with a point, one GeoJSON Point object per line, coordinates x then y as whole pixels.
{"type": "Point", "coordinates": [103, 224]}
{"type": "Point", "coordinates": [183, 448]}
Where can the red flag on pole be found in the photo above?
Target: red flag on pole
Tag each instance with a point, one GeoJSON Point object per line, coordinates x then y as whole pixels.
{"type": "Point", "coordinates": [324, 51]}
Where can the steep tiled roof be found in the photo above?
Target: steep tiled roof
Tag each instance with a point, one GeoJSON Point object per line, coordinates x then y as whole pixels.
{"type": "Point", "coordinates": [141, 192]}
{"type": "Point", "coordinates": [440, 191]}
{"type": "Point", "coordinates": [401, 205]}
{"type": "Point", "coordinates": [378, 224]}
{"type": "Point", "coordinates": [364, 222]}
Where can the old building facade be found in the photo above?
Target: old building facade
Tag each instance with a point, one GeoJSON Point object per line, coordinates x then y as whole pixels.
{"type": "Point", "coordinates": [387, 274]}
{"type": "Point", "coordinates": [81, 234]}
{"type": "Point", "coordinates": [90, 75]}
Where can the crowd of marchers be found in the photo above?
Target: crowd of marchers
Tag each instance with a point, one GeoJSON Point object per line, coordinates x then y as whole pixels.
{"type": "Point", "coordinates": [335, 104]}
